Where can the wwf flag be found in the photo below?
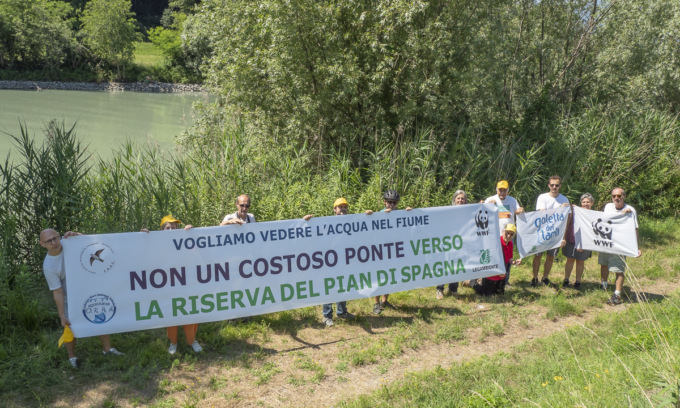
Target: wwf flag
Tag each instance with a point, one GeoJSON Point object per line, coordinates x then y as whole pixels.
{"type": "Point", "coordinates": [607, 232]}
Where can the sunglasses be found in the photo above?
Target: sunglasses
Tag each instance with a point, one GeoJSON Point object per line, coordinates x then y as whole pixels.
{"type": "Point", "coordinates": [554, 185]}
{"type": "Point", "coordinates": [392, 202]}
{"type": "Point", "coordinates": [617, 195]}
{"type": "Point", "coordinates": [52, 240]}
{"type": "Point", "coordinates": [512, 234]}
{"type": "Point", "coordinates": [244, 205]}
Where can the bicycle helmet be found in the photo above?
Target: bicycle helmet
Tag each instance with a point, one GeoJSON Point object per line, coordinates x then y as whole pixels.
{"type": "Point", "coordinates": [391, 195]}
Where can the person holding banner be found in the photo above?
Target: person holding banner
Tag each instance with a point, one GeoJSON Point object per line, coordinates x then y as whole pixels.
{"type": "Point", "coordinates": [548, 201]}
{"type": "Point", "coordinates": [615, 262]}
{"type": "Point", "coordinates": [169, 223]}
{"type": "Point", "coordinates": [507, 205]}
{"type": "Point", "coordinates": [391, 199]}
{"type": "Point", "coordinates": [495, 285]}
{"type": "Point", "coordinates": [241, 216]}
{"type": "Point", "coordinates": [55, 273]}
{"type": "Point", "coordinates": [578, 256]}
{"type": "Point", "coordinates": [340, 207]}
{"type": "Point", "coordinates": [459, 198]}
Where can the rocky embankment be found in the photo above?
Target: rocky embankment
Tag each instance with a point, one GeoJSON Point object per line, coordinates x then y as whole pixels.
{"type": "Point", "coordinates": [157, 87]}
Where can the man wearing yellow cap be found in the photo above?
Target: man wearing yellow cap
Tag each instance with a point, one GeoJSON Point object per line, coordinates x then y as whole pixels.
{"type": "Point", "coordinates": [340, 207]}
{"type": "Point", "coordinates": [54, 269]}
{"type": "Point", "coordinates": [507, 205]}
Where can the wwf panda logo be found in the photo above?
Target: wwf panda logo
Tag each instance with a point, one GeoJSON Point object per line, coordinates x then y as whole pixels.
{"type": "Point", "coordinates": [603, 229]}
{"type": "Point", "coordinates": [482, 219]}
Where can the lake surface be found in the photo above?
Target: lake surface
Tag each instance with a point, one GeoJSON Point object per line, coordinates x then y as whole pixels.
{"type": "Point", "coordinates": [105, 120]}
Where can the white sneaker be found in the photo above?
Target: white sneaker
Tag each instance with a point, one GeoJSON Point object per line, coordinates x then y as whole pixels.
{"type": "Point", "coordinates": [113, 352]}
{"type": "Point", "coordinates": [172, 349]}
{"type": "Point", "coordinates": [197, 347]}
{"type": "Point", "coordinates": [73, 361]}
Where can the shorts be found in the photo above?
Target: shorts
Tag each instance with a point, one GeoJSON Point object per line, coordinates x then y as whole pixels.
{"type": "Point", "coordinates": [616, 263]}
{"type": "Point", "coordinates": [551, 252]}
{"type": "Point", "coordinates": [570, 251]}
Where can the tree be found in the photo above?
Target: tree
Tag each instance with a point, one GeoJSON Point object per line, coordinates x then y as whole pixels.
{"type": "Point", "coordinates": [34, 33]}
{"type": "Point", "coordinates": [109, 30]}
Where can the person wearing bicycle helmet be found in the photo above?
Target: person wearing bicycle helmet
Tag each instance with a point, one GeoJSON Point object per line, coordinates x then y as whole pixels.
{"type": "Point", "coordinates": [391, 200]}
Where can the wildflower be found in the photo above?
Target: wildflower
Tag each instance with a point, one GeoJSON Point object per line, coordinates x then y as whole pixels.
{"type": "Point", "coordinates": [544, 384]}
{"type": "Point", "coordinates": [597, 375]}
{"type": "Point", "coordinates": [558, 378]}
{"type": "Point", "coordinates": [588, 388]}
{"type": "Point", "coordinates": [606, 371]}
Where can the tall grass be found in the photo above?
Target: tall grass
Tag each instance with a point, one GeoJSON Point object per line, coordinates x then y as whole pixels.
{"type": "Point", "coordinates": [223, 156]}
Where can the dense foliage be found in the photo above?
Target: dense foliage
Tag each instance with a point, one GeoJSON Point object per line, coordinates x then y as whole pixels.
{"type": "Point", "coordinates": [326, 71]}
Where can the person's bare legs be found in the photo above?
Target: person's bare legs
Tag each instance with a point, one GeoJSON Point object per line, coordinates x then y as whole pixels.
{"type": "Point", "coordinates": [71, 348]}
{"type": "Point", "coordinates": [580, 267]}
{"type": "Point", "coordinates": [537, 264]}
{"type": "Point", "coordinates": [106, 342]}
{"type": "Point", "coordinates": [619, 282]}
{"type": "Point", "coordinates": [604, 272]}
{"type": "Point", "coordinates": [547, 266]}
{"type": "Point", "coordinates": [568, 266]}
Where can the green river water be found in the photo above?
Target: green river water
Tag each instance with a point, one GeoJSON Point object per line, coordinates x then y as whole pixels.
{"type": "Point", "coordinates": [105, 120]}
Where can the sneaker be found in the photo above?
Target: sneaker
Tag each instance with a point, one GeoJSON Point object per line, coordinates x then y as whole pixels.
{"type": "Point", "coordinates": [377, 309]}
{"type": "Point", "coordinates": [577, 285]}
{"type": "Point", "coordinates": [387, 305]}
{"type": "Point", "coordinates": [328, 321]}
{"type": "Point", "coordinates": [546, 282]}
{"type": "Point", "coordinates": [603, 285]}
{"type": "Point", "coordinates": [172, 349]}
{"type": "Point", "coordinates": [113, 352]}
{"type": "Point", "coordinates": [534, 282]}
{"type": "Point", "coordinates": [347, 316]}
{"type": "Point", "coordinates": [465, 284]}
{"type": "Point", "coordinates": [615, 300]}
{"type": "Point", "coordinates": [565, 284]}
{"type": "Point", "coordinates": [440, 294]}
{"type": "Point", "coordinates": [73, 361]}
{"type": "Point", "coordinates": [197, 347]}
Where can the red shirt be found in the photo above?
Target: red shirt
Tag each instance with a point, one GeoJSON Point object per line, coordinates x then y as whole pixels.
{"type": "Point", "coordinates": [507, 250]}
{"type": "Point", "coordinates": [507, 255]}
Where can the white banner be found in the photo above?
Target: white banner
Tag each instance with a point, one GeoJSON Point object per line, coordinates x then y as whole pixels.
{"type": "Point", "coordinates": [135, 281]}
{"type": "Point", "coordinates": [539, 231]}
{"type": "Point", "coordinates": [611, 233]}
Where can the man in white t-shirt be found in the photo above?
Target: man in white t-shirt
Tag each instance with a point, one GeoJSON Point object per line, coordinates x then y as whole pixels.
{"type": "Point", "coordinates": [508, 207]}
{"type": "Point", "coordinates": [614, 262]}
{"type": "Point", "coordinates": [548, 201]}
{"type": "Point", "coordinates": [55, 274]}
{"type": "Point", "coordinates": [241, 216]}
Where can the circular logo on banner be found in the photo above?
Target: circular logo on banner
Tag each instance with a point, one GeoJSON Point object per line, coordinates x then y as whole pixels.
{"type": "Point", "coordinates": [97, 258]}
{"type": "Point", "coordinates": [99, 309]}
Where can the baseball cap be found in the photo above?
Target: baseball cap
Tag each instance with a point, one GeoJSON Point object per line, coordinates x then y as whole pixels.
{"type": "Point", "coordinates": [502, 184]}
{"type": "Point", "coordinates": [169, 218]}
{"type": "Point", "coordinates": [511, 228]}
{"type": "Point", "coordinates": [340, 201]}
{"type": "Point", "coordinates": [66, 337]}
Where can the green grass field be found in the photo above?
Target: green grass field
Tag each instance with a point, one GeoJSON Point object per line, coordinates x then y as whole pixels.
{"type": "Point", "coordinates": [148, 55]}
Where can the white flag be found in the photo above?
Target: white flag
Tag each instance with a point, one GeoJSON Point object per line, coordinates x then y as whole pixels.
{"type": "Point", "coordinates": [610, 233]}
{"type": "Point", "coordinates": [136, 280]}
{"type": "Point", "coordinates": [539, 231]}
